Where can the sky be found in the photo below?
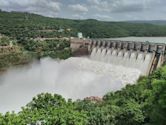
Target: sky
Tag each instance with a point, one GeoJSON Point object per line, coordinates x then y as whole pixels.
{"type": "Point", "coordinates": [107, 10]}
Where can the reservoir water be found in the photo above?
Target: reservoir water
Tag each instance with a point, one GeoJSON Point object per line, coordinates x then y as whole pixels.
{"type": "Point", "coordinates": [142, 39]}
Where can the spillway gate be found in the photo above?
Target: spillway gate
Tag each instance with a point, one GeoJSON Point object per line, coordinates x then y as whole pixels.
{"type": "Point", "coordinates": [144, 56]}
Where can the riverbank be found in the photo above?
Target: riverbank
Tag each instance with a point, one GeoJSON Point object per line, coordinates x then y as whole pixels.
{"type": "Point", "coordinates": [24, 53]}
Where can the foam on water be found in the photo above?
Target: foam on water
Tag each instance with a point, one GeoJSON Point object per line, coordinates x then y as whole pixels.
{"type": "Point", "coordinates": [137, 60]}
{"type": "Point", "coordinates": [74, 78]}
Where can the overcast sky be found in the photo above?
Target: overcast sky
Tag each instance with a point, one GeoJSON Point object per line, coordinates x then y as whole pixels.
{"type": "Point", "coordinates": [108, 10]}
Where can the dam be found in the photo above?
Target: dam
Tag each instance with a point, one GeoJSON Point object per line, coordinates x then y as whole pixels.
{"type": "Point", "coordinates": [145, 56]}
{"type": "Point", "coordinates": [100, 66]}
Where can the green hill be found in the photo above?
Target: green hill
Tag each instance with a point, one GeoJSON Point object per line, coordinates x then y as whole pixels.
{"type": "Point", "coordinates": [155, 22]}
{"type": "Point", "coordinates": [24, 25]}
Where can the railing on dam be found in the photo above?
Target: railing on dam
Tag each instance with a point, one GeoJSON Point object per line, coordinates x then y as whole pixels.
{"type": "Point", "coordinates": [144, 56]}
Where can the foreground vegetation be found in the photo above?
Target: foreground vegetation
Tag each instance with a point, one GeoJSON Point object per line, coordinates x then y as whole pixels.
{"type": "Point", "coordinates": [141, 104]}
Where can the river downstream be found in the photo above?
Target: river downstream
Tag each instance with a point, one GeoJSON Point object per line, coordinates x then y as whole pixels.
{"type": "Point", "coordinates": [74, 78]}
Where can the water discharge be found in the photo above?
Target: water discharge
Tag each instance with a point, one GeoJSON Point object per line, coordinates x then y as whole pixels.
{"type": "Point", "coordinates": [131, 59]}
{"type": "Point", "coordinates": [74, 78]}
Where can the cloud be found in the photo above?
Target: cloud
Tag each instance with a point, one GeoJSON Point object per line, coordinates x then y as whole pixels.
{"type": "Point", "coordinates": [78, 8]}
{"type": "Point", "coordinates": [83, 9]}
{"type": "Point", "coordinates": [102, 17]}
{"type": "Point", "coordinates": [118, 6]}
{"type": "Point", "coordinates": [43, 7]}
{"type": "Point", "coordinates": [100, 5]}
{"type": "Point", "coordinates": [128, 8]}
{"type": "Point", "coordinates": [78, 16]}
{"type": "Point", "coordinates": [96, 2]}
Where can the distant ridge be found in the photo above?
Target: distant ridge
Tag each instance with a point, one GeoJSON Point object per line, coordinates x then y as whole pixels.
{"type": "Point", "coordinates": [22, 25]}
{"type": "Point", "coordinates": [155, 22]}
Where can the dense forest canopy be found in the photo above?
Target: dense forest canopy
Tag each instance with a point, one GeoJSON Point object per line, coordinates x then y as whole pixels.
{"type": "Point", "coordinates": [20, 25]}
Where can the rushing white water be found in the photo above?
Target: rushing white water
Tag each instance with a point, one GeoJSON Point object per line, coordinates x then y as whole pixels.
{"type": "Point", "coordinates": [137, 60]}
{"type": "Point", "coordinates": [72, 78]}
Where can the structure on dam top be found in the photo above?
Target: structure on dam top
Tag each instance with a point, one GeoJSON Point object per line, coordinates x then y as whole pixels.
{"type": "Point", "coordinates": [144, 56]}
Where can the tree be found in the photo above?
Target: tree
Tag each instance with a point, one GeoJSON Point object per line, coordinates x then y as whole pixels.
{"type": "Point", "coordinates": [158, 102]}
{"type": "Point", "coordinates": [130, 114]}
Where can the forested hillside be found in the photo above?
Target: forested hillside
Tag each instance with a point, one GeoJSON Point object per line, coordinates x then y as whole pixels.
{"type": "Point", "coordinates": [21, 25]}
{"type": "Point", "coordinates": [155, 22]}
{"type": "Point", "coordinates": [14, 53]}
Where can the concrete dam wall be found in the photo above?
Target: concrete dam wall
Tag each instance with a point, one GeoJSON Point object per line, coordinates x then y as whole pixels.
{"type": "Point", "coordinates": [140, 55]}
{"type": "Point", "coordinates": [124, 58]}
